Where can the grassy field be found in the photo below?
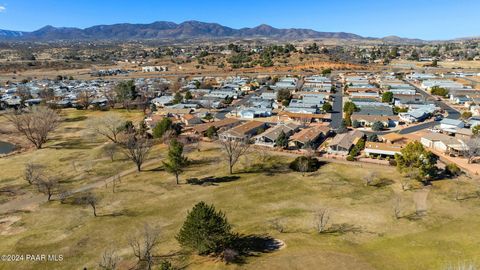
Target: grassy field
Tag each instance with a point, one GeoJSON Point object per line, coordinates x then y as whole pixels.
{"type": "Point", "coordinates": [263, 192]}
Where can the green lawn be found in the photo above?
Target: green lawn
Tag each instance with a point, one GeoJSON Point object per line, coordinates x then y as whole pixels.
{"type": "Point", "coordinates": [264, 191]}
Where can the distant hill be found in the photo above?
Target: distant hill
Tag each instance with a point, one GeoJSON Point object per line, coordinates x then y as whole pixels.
{"type": "Point", "coordinates": [10, 34]}
{"type": "Point", "coordinates": [170, 30]}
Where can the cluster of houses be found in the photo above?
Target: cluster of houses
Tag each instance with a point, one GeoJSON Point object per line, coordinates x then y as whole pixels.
{"type": "Point", "coordinates": [67, 93]}
{"type": "Point", "coordinates": [365, 90]}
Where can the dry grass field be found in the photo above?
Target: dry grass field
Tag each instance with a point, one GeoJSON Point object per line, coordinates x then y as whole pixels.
{"type": "Point", "coordinates": [263, 198]}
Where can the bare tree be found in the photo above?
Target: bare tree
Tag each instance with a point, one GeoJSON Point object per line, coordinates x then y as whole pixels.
{"type": "Point", "coordinates": [64, 195]}
{"type": "Point", "coordinates": [84, 99]}
{"type": "Point", "coordinates": [277, 225]}
{"type": "Point", "coordinates": [321, 219]}
{"type": "Point", "coordinates": [473, 148]}
{"type": "Point", "coordinates": [109, 260]}
{"type": "Point", "coordinates": [89, 199]}
{"type": "Point", "coordinates": [48, 186]}
{"type": "Point", "coordinates": [110, 150]}
{"type": "Point", "coordinates": [116, 179]}
{"type": "Point", "coordinates": [109, 125]}
{"type": "Point", "coordinates": [143, 243]}
{"type": "Point", "coordinates": [110, 95]}
{"type": "Point", "coordinates": [137, 149]}
{"type": "Point", "coordinates": [233, 150]}
{"type": "Point", "coordinates": [33, 172]}
{"type": "Point", "coordinates": [397, 207]}
{"type": "Point", "coordinates": [35, 124]}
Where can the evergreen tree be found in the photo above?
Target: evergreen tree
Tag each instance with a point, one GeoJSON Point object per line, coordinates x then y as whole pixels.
{"type": "Point", "coordinates": [188, 95]}
{"type": "Point", "coordinates": [205, 230]}
{"type": "Point", "coordinates": [162, 127]}
{"type": "Point", "coordinates": [177, 98]}
{"type": "Point", "coordinates": [176, 162]}
{"type": "Point", "coordinates": [282, 140]}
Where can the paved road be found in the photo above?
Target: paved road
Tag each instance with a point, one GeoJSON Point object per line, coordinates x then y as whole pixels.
{"type": "Point", "coordinates": [337, 107]}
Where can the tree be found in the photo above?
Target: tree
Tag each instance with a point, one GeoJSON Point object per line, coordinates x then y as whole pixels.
{"type": "Point", "coordinates": [161, 127]}
{"type": "Point", "coordinates": [282, 140]}
{"type": "Point", "coordinates": [109, 260]}
{"type": "Point", "coordinates": [321, 219]}
{"type": "Point", "coordinates": [377, 126]}
{"type": "Point", "coordinates": [33, 172]}
{"type": "Point", "coordinates": [126, 92]}
{"type": "Point", "coordinates": [205, 230]}
{"type": "Point", "coordinates": [466, 115]}
{"type": "Point", "coordinates": [476, 130]}
{"type": "Point", "coordinates": [414, 157]}
{"type": "Point", "coordinates": [143, 243]}
{"type": "Point", "coordinates": [372, 137]}
{"type": "Point", "coordinates": [284, 94]}
{"type": "Point", "coordinates": [35, 124]}
{"type": "Point", "coordinates": [177, 98]}
{"type": "Point", "coordinates": [48, 186]}
{"type": "Point", "coordinates": [188, 95]}
{"type": "Point", "coordinates": [305, 164]}
{"type": "Point", "coordinates": [84, 99]}
{"type": "Point", "coordinates": [211, 132]}
{"type": "Point", "coordinates": [350, 107]}
{"type": "Point", "coordinates": [472, 148]}
{"type": "Point", "coordinates": [439, 91]}
{"type": "Point", "coordinates": [452, 169]}
{"type": "Point", "coordinates": [89, 199]}
{"type": "Point", "coordinates": [327, 107]}
{"type": "Point", "coordinates": [137, 149]}
{"type": "Point", "coordinates": [176, 161]}
{"type": "Point", "coordinates": [109, 125]}
{"type": "Point", "coordinates": [233, 150]}
{"type": "Point", "coordinates": [387, 97]}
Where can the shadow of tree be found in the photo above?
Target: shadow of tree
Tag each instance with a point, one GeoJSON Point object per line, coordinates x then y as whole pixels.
{"type": "Point", "coordinates": [212, 180]}
{"type": "Point", "coordinates": [343, 228]}
{"type": "Point", "coordinates": [254, 245]}
{"type": "Point", "coordinates": [382, 182]}
{"type": "Point", "coordinates": [75, 119]}
{"type": "Point", "coordinates": [76, 143]}
{"type": "Point", "coordinates": [266, 168]}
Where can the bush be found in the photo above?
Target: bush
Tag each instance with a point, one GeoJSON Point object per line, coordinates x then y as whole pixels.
{"type": "Point", "coordinates": [377, 126]}
{"type": "Point", "coordinates": [357, 148]}
{"type": "Point", "coordinates": [355, 124]}
{"type": "Point", "coordinates": [452, 169]}
{"type": "Point", "coordinates": [305, 164]}
{"type": "Point", "coordinates": [350, 158]}
{"type": "Point", "coordinates": [206, 230]}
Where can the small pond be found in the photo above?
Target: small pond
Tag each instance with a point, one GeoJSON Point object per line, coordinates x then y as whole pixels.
{"type": "Point", "coordinates": [6, 147]}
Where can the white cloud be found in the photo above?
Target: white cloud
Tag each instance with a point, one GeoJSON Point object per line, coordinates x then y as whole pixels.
{"type": "Point", "coordinates": [2, 9]}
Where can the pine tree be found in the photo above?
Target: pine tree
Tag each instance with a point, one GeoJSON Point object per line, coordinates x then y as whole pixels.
{"type": "Point", "coordinates": [176, 161]}
{"type": "Point", "coordinates": [205, 230]}
{"type": "Point", "coordinates": [282, 140]}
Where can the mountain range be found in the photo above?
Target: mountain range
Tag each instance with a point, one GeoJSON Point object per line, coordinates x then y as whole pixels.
{"type": "Point", "coordinates": [184, 30]}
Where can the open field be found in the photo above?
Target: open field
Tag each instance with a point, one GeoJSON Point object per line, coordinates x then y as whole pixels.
{"type": "Point", "coordinates": [262, 192]}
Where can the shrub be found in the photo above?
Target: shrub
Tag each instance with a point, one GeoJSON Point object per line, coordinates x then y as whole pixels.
{"type": "Point", "coordinates": [305, 164]}
{"type": "Point", "coordinates": [377, 126]}
{"type": "Point", "coordinates": [350, 158]}
{"type": "Point", "coordinates": [452, 169]}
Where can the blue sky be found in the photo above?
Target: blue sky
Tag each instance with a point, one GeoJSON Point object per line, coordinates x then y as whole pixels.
{"type": "Point", "coordinates": [426, 19]}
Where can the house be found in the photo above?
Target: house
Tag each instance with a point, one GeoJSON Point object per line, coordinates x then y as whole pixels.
{"type": "Point", "coordinates": [269, 137]}
{"type": "Point", "coordinates": [309, 137]}
{"type": "Point", "coordinates": [342, 143]}
{"type": "Point", "coordinates": [368, 120]}
{"type": "Point", "coordinates": [451, 125]}
{"type": "Point", "coordinates": [382, 149]}
{"type": "Point", "coordinates": [303, 117]}
{"type": "Point", "coordinates": [190, 119]}
{"type": "Point", "coordinates": [219, 125]}
{"type": "Point", "coordinates": [250, 113]}
{"type": "Point", "coordinates": [394, 138]}
{"type": "Point", "coordinates": [443, 143]}
{"type": "Point", "coordinates": [244, 131]}
{"type": "Point", "coordinates": [162, 101]}
{"type": "Point", "coordinates": [413, 116]}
